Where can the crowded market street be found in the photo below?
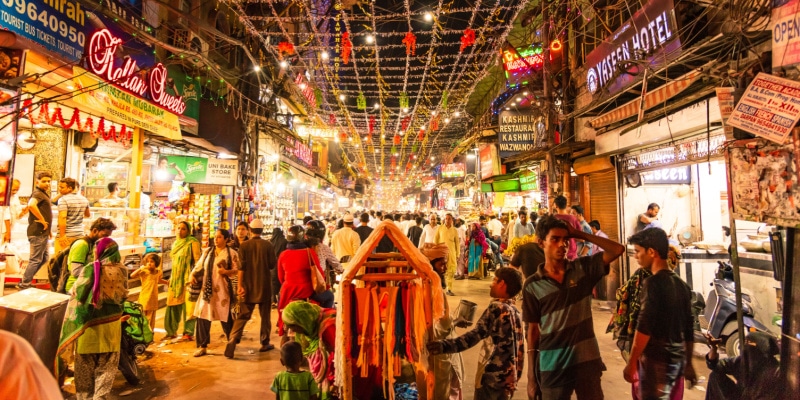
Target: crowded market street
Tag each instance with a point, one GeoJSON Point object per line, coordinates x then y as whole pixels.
{"type": "Point", "coordinates": [170, 371]}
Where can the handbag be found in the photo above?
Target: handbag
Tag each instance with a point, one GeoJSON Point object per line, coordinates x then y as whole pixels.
{"type": "Point", "coordinates": [194, 289]}
{"type": "Point", "coordinates": [317, 280]}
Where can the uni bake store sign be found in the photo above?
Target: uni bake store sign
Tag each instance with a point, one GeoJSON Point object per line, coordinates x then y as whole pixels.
{"type": "Point", "coordinates": [100, 55]}
{"type": "Point", "coordinates": [649, 38]}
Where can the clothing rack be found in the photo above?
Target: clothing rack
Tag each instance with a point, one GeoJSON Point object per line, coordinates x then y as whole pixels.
{"type": "Point", "coordinates": [386, 275]}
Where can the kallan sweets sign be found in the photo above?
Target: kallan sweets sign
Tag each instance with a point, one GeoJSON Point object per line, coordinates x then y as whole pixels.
{"type": "Point", "coordinates": [100, 55]}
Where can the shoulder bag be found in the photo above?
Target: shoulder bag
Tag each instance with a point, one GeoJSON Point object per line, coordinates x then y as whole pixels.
{"type": "Point", "coordinates": [317, 280]}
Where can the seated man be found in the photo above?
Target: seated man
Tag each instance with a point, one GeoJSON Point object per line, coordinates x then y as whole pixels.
{"type": "Point", "coordinates": [762, 379]}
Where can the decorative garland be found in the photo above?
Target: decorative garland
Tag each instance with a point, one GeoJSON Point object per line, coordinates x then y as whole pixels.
{"type": "Point", "coordinates": [123, 136]}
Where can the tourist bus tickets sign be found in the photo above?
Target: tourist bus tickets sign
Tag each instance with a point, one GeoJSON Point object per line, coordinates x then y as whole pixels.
{"type": "Point", "coordinates": [57, 25]}
{"type": "Point", "coordinates": [517, 132]}
{"type": "Point", "coordinates": [770, 108]}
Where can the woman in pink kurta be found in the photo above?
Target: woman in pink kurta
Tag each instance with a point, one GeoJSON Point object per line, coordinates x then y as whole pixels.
{"type": "Point", "coordinates": [215, 267]}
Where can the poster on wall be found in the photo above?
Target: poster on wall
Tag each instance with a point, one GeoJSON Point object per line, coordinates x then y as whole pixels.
{"type": "Point", "coordinates": [770, 108]}
{"type": "Point", "coordinates": [763, 181]}
{"type": "Point", "coordinates": [725, 99]}
{"type": "Point", "coordinates": [490, 162]}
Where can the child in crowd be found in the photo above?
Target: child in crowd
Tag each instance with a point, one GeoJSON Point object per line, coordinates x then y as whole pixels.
{"type": "Point", "coordinates": [499, 372]}
{"type": "Point", "coordinates": [150, 274]}
{"type": "Point", "coordinates": [294, 384]}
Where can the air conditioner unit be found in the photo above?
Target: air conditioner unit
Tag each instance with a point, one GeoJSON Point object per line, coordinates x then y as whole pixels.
{"type": "Point", "coordinates": [188, 40]}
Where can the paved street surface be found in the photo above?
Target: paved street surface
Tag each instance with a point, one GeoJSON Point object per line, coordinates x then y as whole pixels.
{"type": "Point", "coordinates": [170, 371]}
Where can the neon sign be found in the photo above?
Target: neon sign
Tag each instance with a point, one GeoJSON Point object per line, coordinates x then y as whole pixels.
{"type": "Point", "coordinates": [100, 54]}
{"type": "Point", "coordinates": [519, 60]}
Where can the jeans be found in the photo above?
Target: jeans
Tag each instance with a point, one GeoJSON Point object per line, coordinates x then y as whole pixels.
{"type": "Point", "coordinates": [245, 313]}
{"type": "Point", "coordinates": [202, 332]}
{"type": "Point", "coordinates": [39, 257]}
{"type": "Point", "coordinates": [657, 379]}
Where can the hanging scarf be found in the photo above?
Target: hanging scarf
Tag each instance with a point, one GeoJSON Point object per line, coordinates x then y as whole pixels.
{"type": "Point", "coordinates": [182, 263]}
{"type": "Point", "coordinates": [208, 271]}
{"type": "Point", "coordinates": [85, 307]}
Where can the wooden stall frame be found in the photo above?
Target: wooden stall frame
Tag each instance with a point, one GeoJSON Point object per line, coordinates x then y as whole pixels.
{"type": "Point", "coordinates": [357, 271]}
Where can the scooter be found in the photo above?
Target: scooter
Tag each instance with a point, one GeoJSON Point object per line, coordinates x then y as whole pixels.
{"type": "Point", "coordinates": [717, 315]}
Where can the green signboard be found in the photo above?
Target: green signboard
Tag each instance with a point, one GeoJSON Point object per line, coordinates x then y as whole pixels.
{"type": "Point", "coordinates": [528, 181]}
{"type": "Point", "coordinates": [511, 185]}
{"type": "Point", "coordinates": [188, 87]}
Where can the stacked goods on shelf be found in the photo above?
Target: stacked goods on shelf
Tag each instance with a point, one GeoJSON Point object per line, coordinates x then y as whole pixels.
{"type": "Point", "coordinates": [209, 211]}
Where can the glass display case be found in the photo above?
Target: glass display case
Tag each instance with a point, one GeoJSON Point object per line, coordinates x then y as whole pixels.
{"type": "Point", "coordinates": [98, 177]}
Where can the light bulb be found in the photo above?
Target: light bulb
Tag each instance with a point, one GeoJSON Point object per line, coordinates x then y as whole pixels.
{"type": "Point", "coordinates": [324, 55]}
{"type": "Point", "coordinates": [284, 64]}
{"type": "Point", "coordinates": [428, 16]}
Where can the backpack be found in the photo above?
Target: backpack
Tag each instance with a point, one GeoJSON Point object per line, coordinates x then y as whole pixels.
{"type": "Point", "coordinates": [58, 268]}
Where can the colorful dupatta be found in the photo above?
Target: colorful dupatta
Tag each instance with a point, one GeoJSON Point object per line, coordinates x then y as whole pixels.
{"type": "Point", "coordinates": [182, 263]}
{"type": "Point", "coordinates": [315, 321]}
{"type": "Point", "coordinates": [87, 305]}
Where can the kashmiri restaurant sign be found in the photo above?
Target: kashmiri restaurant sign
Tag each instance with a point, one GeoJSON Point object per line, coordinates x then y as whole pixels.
{"type": "Point", "coordinates": [650, 38]}
{"type": "Point", "coordinates": [518, 131]}
{"type": "Point", "coordinates": [120, 97]}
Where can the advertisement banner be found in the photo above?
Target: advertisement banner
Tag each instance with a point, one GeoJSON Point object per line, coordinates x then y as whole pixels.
{"type": "Point", "coordinates": [455, 170]}
{"type": "Point", "coordinates": [725, 97]}
{"type": "Point", "coordinates": [528, 181]}
{"type": "Point", "coordinates": [490, 163]}
{"type": "Point", "coordinates": [212, 171]}
{"type": "Point", "coordinates": [122, 107]}
{"type": "Point", "coordinates": [785, 24]}
{"type": "Point", "coordinates": [181, 84]}
{"type": "Point", "coordinates": [64, 27]}
{"type": "Point", "coordinates": [770, 108]}
{"type": "Point", "coordinates": [59, 26]}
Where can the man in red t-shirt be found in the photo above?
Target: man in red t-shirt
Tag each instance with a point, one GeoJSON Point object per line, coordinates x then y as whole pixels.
{"type": "Point", "coordinates": [562, 214]}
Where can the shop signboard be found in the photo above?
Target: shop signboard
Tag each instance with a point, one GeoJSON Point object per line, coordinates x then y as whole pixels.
{"type": "Point", "coordinates": [122, 107]}
{"type": "Point", "coordinates": [770, 108]}
{"type": "Point", "coordinates": [63, 27]}
{"type": "Point", "coordinates": [183, 85]}
{"type": "Point", "coordinates": [676, 175]}
{"type": "Point", "coordinates": [518, 131]}
{"type": "Point", "coordinates": [58, 26]}
{"type": "Point", "coordinates": [648, 39]}
{"type": "Point", "coordinates": [518, 63]}
{"type": "Point", "coordinates": [300, 150]}
{"type": "Point", "coordinates": [725, 98]}
{"type": "Point", "coordinates": [212, 171]}
{"type": "Point", "coordinates": [455, 170]}
{"type": "Point", "coordinates": [785, 24]}
{"type": "Point", "coordinates": [490, 163]}
{"type": "Point", "coordinates": [528, 180]}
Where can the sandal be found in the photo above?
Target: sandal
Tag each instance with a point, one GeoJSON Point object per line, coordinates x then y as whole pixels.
{"type": "Point", "coordinates": [200, 352]}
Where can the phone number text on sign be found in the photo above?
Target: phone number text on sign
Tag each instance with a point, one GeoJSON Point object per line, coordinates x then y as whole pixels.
{"type": "Point", "coordinates": [58, 25]}
{"type": "Point", "coordinates": [769, 108]}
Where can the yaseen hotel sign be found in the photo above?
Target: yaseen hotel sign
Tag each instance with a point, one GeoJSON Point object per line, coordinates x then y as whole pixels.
{"type": "Point", "coordinates": [650, 37]}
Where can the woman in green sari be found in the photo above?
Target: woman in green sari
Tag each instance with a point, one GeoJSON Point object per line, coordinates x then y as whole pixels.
{"type": "Point", "coordinates": [185, 251]}
{"type": "Point", "coordinates": [92, 321]}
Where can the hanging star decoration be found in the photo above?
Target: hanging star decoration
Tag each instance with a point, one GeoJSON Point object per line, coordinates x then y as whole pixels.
{"type": "Point", "coordinates": [468, 39]}
{"type": "Point", "coordinates": [332, 119]}
{"type": "Point", "coordinates": [411, 44]}
{"type": "Point", "coordinates": [421, 135]}
{"type": "Point", "coordinates": [318, 97]}
{"type": "Point", "coordinates": [396, 139]}
{"type": "Point", "coordinates": [444, 99]}
{"type": "Point", "coordinates": [435, 124]}
{"type": "Point", "coordinates": [347, 47]}
{"type": "Point", "coordinates": [404, 123]}
{"type": "Point", "coordinates": [403, 100]}
{"type": "Point", "coordinates": [361, 101]}
{"type": "Point", "coordinates": [285, 48]}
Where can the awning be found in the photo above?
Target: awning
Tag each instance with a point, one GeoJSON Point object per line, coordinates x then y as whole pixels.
{"type": "Point", "coordinates": [651, 99]}
{"type": "Point", "coordinates": [205, 144]}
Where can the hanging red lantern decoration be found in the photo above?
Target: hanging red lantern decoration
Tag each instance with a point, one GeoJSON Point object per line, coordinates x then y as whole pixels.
{"type": "Point", "coordinates": [342, 136]}
{"type": "Point", "coordinates": [123, 135]}
{"type": "Point", "coordinates": [404, 123]}
{"type": "Point", "coordinates": [347, 47]}
{"type": "Point", "coordinates": [285, 48]}
{"type": "Point", "coordinates": [332, 119]}
{"type": "Point", "coordinates": [396, 139]}
{"type": "Point", "coordinates": [411, 44]}
{"type": "Point", "coordinates": [468, 39]}
{"type": "Point", "coordinates": [371, 124]}
{"type": "Point", "coordinates": [435, 124]}
{"type": "Point", "coordinates": [421, 135]}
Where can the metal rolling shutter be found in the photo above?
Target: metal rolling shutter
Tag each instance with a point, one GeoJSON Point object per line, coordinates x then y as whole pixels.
{"type": "Point", "coordinates": [603, 202]}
